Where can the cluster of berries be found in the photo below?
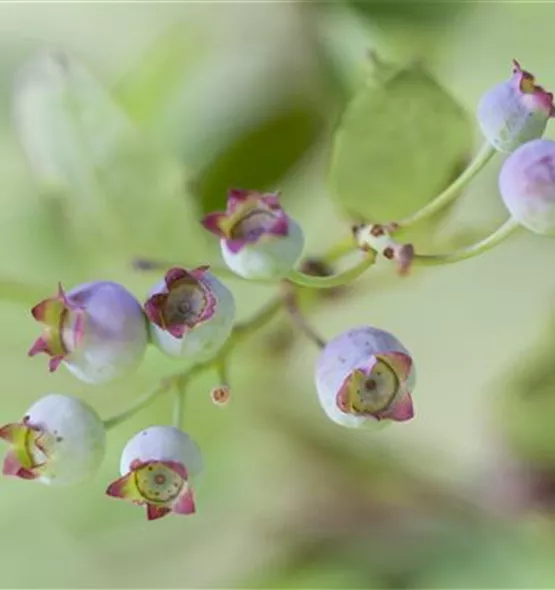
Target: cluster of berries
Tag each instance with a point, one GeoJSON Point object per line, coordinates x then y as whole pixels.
{"type": "Point", "coordinates": [99, 332]}
{"type": "Point", "coordinates": [513, 116]}
{"type": "Point", "coordinates": [364, 376]}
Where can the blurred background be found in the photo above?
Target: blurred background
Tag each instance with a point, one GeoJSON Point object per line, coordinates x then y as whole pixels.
{"type": "Point", "coordinates": [167, 107]}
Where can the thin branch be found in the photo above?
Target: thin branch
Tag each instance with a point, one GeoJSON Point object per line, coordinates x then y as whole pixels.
{"type": "Point", "coordinates": [291, 304]}
{"type": "Point", "coordinates": [150, 265]}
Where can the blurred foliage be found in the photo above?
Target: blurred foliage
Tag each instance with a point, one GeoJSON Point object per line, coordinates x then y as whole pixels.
{"type": "Point", "coordinates": [527, 404]}
{"type": "Point", "coordinates": [168, 106]}
{"type": "Point", "coordinates": [277, 144]}
{"type": "Point", "coordinates": [397, 145]}
{"type": "Point", "coordinates": [83, 148]}
{"type": "Point", "coordinates": [422, 13]}
{"type": "Point", "coordinates": [149, 86]}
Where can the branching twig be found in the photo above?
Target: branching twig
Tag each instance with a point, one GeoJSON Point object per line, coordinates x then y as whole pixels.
{"type": "Point", "coordinates": [291, 305]}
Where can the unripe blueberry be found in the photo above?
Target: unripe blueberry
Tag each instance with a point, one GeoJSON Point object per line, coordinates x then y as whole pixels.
{"type": "Point", "coordinates": [527, 186]}
{"type": "Point", "coordinates": [97, 330]}
{"type": "Point", "coordinates": [191, 313]}
{"type": "Point", "coordinates": [515, 111]}
{"type": "Point", "coordinates": [157, 466]}
{"type": "Point", "coordinates": [258, 239]}
{"type": "Point", "coordinates": [60, 441]}
{"type": "Point", "coordinates": [364, 376]}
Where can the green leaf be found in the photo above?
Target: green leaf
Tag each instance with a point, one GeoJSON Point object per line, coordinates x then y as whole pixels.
{"type": "Point", "coordinates": [261, 155]}
{"type": "Point", "coordinates": [149, 90]}
{"type": "Point", "coordinates": [114, 185]}
{"type": "Point", "coordinates": [421, 13]}
{"type": "Point", "coordinates": [398, 144]}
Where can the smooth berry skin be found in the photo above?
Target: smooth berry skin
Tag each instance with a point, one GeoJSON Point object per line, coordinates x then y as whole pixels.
{"type": "Point", "coordinates": [269, 259]}
{"type": "Point", "coordinates": [162, 443]}
{"type": "Point", "coordinates": [157, 468]}
{"type": "Point", "coordinates": [71, 445]}
{"type": "Point", "coordinates": [527, 186]}
{"type": "Point", "coordinates": [117, 335]}
{"type": "Point", "coordinates": [344, 354]}
{"type": "Point", "coordinates": [515, 111]}
{"type": "Point", "coordinates": [98, 331]}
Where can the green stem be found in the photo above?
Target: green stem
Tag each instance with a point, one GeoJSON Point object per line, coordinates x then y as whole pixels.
{"type": "Point", "coordinates": [245, 329]}
{"type": "Point", "coordinates": [21, 293]}
{"type": "Point", "coordinates": [179, 408]}
{"type": "Point", "coordinates": [498, 236]}
{"type": "Point", "coordinates": [340, 249]}
{"type": "Point", "coordinates": [149, 265]}
{"type": "Point", "coordinates": [221, 370]}
{"type": "Point", "coordinates": [453, 190]}
{"type": "Point", "coordinates": [143, 402]}
{"type": "Point", "coordinates": [239, 333]}
{"type": "Point", "coordinates": [291, 303]}
{"type": "Point", "coordinates": [343, 278]}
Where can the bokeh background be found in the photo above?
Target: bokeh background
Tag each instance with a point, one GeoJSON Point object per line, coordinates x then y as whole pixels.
{"type": "Point", "coordinates": [182, 101]}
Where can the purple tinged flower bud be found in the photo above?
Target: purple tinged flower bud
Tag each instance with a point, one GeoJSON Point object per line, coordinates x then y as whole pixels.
{"type": "Point", "coordinates": [527, 186]}
{"type": "Point", "coordinates": [365, 376]}
{"type": "Point", "coordinates": [515, 111]}
{"type": "Point", "coordinates": [191, 313]}
{"type": "Point", "coordinates": [97, 330]}
{"type": "Point", "coordinates": [157, 467]}
{"type": "Point", "coordinates": [257, 238]}
{"type": "Point", "coordinates": [60, 441]}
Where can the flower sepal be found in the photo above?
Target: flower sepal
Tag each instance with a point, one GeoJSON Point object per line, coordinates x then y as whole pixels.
{"type": "Point", "coordinates": [258, 239]}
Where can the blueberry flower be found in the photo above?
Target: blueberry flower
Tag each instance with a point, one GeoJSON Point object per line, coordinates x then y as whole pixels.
{"type": "Point", "coordinates": [258, 239]}
{"type": "Point", "coordinates": [97, 330]}
{"type": "Point", "coordinates": [365, 376]}
{"type": "Point", "coordinates": [527, 186]}
{"type": "Point", "coordinates": [191, 313]}
{"type": "Point", "coordinates": [515, 111]}
{"type": "Point", "coordinates": [157, 466]}
{"type": "Point", "coordinates": [60, 441]}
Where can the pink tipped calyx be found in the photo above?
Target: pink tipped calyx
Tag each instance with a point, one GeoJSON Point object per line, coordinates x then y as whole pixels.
{"type": "Point", "coordinates": [64, 326]}
{"type": "Point", "coordinates": [30, 447]}
{"type": "Point", "coordinates": [249, 216]}
{"type": "Point", "coordinates": [161, 486]}
{"type": "Point", "coordinates": [185, 301]}
{"type": "Point", "coordinates": [379, 390]}
{"type": "Point", "coordinates": [526, 83]}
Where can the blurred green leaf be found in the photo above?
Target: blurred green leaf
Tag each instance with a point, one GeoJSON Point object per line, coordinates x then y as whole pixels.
{"type": "Point", "coordinates": [397, 145]}
{"type": "Point", "coordinates": [487, 556]}
{"type": "Point", "coordinates": [525, 409]}
{"type": "Point", "coordinates": [327, 572]}
{"type": "Point", "coordinates": [146, 91]}
{"type": "Point", "coordinates": [429, 13]}
{"type": "Point", "coordinates": [261, 155]}
{"type": "Point", "coordinates": [114, 186]}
